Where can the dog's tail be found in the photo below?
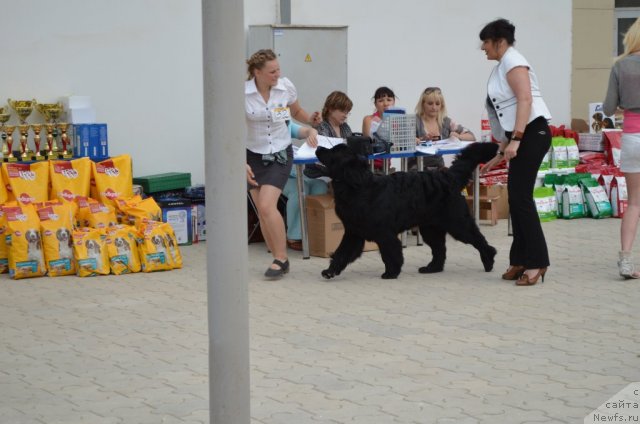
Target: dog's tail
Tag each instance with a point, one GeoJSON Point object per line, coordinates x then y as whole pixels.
{"type": "Point", "coordinates": [467, 160]}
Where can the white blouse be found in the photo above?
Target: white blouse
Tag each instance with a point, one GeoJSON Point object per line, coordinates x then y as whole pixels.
{"type": "Point", "coordinates": [267, 130]}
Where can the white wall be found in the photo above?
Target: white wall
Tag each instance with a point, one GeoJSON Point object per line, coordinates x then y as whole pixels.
{"type": "Point", "coordinates": [412, 44]}
{"type": "Point", "coordinates": [140, 61]}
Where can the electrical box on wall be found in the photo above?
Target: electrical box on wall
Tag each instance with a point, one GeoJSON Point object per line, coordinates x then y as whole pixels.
{"type": "Point", "coordinates": [314, 58]}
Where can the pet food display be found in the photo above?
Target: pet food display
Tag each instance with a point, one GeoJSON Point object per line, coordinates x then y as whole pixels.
{"type": "Point", "coordinates": [596, 199]}
{"type": "Point", "coordinates": [113, 179]}
{"type": "Point", "coordinates": [26, 256]}
{"type": "Point", "coordinates": [89, 248]}
{"type": "Point", "coordinates": [99, 215]}
{"type": "Point", "coordinates": [56, 226]}
{"type": "Point", "coordinates": [122, 246]}
{"type": "Point", "coordinates": [28, 182]}
{"type": "Point", "coordinates": [154, 253]}
{"type": "Point", "coordinates": [70, 179]}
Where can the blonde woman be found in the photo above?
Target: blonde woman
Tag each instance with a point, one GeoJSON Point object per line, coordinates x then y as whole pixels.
{"type": "Point", "coordinates": [624, 93]}
{"type": "Point", "coordinates": [270, 104]}
{"type": "Point", "coordinates": [432, 122]}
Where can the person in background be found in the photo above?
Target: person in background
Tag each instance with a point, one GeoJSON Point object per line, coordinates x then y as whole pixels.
{"type": "Point", "coordinates": [335, 111]}
{"type": "Point", "coordinates": [383, 98]}
{"type": "Point", "coordinates": [270, 104]}
{"type": "Point", "coordinates": [432, 123]}
{"type": "Point", "coordinates": [624, 93]}
{"type": "Point", "coordinates": [522, 128]}
{"type": "Point", "coordinates": [312, 186]}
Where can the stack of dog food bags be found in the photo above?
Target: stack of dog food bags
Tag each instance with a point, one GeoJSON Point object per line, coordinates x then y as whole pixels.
{"type": "Point", "coordinates": [56, 226]}
{"type": "Point", "coordinates": [26, 256]}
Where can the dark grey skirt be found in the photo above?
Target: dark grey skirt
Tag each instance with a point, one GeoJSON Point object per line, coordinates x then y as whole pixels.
{"type": "Point", "coordinates": [273, 173]}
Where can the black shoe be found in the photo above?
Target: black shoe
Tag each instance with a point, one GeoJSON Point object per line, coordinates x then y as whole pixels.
{"type": "Point", "coordinates": [274, 274]}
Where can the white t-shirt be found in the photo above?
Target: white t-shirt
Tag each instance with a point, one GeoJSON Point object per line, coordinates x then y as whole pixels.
{"type": "Point", "coordinates": [267, 130]}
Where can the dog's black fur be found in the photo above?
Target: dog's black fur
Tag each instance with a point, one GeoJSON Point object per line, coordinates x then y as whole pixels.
{"type": "Point", "coordinates": [379, 207]}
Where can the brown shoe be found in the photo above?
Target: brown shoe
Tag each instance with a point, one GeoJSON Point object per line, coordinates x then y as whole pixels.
{"type": "Point", "coordinates": [294, 244]}
{"type": "Point", "coordinates": [513, 273]}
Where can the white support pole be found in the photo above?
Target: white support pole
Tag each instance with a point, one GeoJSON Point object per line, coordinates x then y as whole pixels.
{"type": "Point", "coordinates": [227, 254]}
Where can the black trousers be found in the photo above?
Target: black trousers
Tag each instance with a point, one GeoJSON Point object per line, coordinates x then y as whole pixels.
{"type": "Point", "coordinates": [529, 247]}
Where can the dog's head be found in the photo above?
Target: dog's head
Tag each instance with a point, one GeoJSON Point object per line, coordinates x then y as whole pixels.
{"type": "Point", "coordinates": [32, 236]}
{"type": "Point", "coordinates": [344, 165]}
{"type": "Point", "coordinates": [158, 241]}
{"type": "Point", "coordinates": [63, 235]}
{"type": "Point", "coordinates": [121, 243]}
{"type": "Point", "coordinates": [92, 246]}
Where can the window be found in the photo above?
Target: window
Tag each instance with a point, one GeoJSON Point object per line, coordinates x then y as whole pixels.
{"type": "Point", "coordinates": [626, 13]}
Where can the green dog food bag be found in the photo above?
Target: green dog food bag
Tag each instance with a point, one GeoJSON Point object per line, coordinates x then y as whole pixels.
{"type": "Point", "coordinates": [596, 198]}
{"type": "Point", "coordinates": [545, 199]}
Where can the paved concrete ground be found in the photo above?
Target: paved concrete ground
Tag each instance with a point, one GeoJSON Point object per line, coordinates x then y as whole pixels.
{"type": "Point", "coordinates": [462, 346]}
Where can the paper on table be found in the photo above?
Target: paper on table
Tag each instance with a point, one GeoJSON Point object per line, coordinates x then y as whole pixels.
{"type": "Point", "coordinates": [307, 152]}
{"type": "Point", "coordinates": [435, 147]}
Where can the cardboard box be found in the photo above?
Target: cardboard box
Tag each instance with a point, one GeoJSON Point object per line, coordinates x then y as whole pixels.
{"type": "Point", "coordinates": [325, 228]}
{"type": "Point", "coordinates": [492, 191]}
{"type": "Point", "coordinates": [177, 212]}
{"type": "Point", "coordinates": [90, 140]}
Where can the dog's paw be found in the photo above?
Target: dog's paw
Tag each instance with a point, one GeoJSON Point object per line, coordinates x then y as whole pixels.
{"type": "Point", "coordinates": [431, 269]}
{"type": "Point", "coordinates": [328, 273]}
{"type": "Point", "coordinates": [488, 258]}
{"type": "Point", "coordinates": [390, 275]}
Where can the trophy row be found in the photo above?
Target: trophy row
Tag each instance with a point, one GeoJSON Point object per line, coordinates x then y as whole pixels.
{"type": "Point", "coordinates": [54, 131]}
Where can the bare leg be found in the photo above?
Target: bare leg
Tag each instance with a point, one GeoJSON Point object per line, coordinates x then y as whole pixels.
{"type": "Point", "coordinates": [271, 222]}
{"type": "Point", "coordinates": [629, 225]}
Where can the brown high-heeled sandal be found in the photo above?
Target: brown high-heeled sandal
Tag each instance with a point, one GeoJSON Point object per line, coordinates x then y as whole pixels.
{"type": "Point", "coordinates": [513, 273]}
{"type": "Point", "coordinates": [525, 280]}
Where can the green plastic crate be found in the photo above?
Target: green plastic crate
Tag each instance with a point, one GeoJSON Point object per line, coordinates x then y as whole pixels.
{"type": "Point", "coordinates": [163, 182]}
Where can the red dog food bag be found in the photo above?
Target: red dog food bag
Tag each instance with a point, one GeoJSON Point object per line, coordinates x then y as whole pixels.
{"type": "Point", "coordinates": [26, 256]}
{"type": "Point", "coordinates": [90, 251]}
{"type": "Point", "coordinates": [70, 178]}
{"type": "Point", "coordinates": [122, 245]}
{"type": "Point", "coordinates": [618, 196]}
{"type": "Point", "coordinates": [113, 179]}
{"type": "Point", "coordinates": [56, 227]}
{"type": "Point", "coordinates": [29, 182]}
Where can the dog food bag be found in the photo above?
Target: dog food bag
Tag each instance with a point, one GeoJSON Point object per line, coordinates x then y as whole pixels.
{"type": "Point", "coordinates": [545, 165]}
{"type": "Point", "coordinates": [113, 179]}
{"type": "Point", "coordinates": [573, 154]}
{"type": "Point", "coordinates": [4, 195]}
{"type": "Point", "coordinates": [26, 256]}
{"type": "Point", "coordinates": [29, 182]}
{"type": "Point", "coordinates": [122, 246]}
{"type": "Point", "coordinates": [172, 245]}
{"type": "Point", "coordinates": [82, 214]}
{"type": "Point", "coordinates": [122, 204]}
{"type": "Point", "coordinates": [89, 248]}
{"type": "Point", "coordinates": [596, 197]}
{"type": "Point", "coordinates": [4, 250]}
{"type": "Point", "coordinates": [613, 145]}
{"type": "Point", "coordinates": [144, 209]}
{"type": "Point", "coordinates": [56, 227]}
{"type": "Point", "coordinates": [154, 254]}
{"type": "Point", "coordinates": [545, 199]}
{"type": "Point", "coordinates": [572, 201]}
{"type": "Point", "coordinates": [619, 197]}
{"type": "Point", "coordinates": [99, 215]}
{"type": "Point", "coordinates": [70, 178]}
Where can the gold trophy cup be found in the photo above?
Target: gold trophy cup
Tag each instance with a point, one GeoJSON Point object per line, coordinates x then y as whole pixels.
{"type": "Point", "coordinates": [64, 138]}
{"type": "Point", "coordinates": [8, 136]}
{"type": "Point", "coordinates": [23, 108]}
{"type": "Point", "coordinates": [37, 128]}
{"type": "Point", "coordinates": [51, 113]}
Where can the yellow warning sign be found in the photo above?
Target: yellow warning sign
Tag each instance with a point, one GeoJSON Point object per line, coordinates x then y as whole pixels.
{"type": "Point", "coordinates": [307, 58]}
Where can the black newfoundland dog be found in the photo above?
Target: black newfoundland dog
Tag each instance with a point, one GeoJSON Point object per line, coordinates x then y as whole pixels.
{"type": "Point", "coordinates": [379, 207]}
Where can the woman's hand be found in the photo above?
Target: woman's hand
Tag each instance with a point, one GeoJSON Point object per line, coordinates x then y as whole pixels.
{"type": "Point", "coordinates": [312, 139]}
{"type": "Point", "coordinates": [511, 151]}
{"type": "Point", "coordinates": [315, 119]}
{"type": "Point", "coordinates": [455, 135]}
{"type": "Point", "coordinates": [491, 164]}
{"type": "Point", "coordinates": [251, 178]}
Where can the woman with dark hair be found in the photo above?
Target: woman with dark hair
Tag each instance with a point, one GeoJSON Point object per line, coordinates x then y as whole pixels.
{"type": "Point", "coordinates": [335, 111]}
{"type": "Point", "coordinates": [383, 99]}
{"type": "Point", "coordinates": [519, 120]}
{"type": "Point", "coordinates": [270, 104]}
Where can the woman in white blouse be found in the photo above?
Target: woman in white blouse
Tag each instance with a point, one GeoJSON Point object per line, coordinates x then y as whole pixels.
{"type": "Point", "coordinates": [270, 103]}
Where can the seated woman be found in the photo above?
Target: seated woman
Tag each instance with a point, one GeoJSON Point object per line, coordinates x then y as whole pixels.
{"type": "Point", "coordinates": [432, 123]}
{"type": "Point", "coordinates": [383, 98]}
{"type": "Point", "coordinates": [335, 111]}
{"type": "Point", "coordinates": [290, 190]}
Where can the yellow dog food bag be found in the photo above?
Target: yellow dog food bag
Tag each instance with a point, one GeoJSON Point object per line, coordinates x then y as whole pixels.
{"type": "Point", "coordinates": [122, 246]}
{"type": "Point", "coordinates": [123, 203]}
{"type": "Point", "coordinates": [146, 209]}
{"type": "Point", "coordinates": [26, 256]}
{"type": "Point", "coordinates": [4, 196]}
{"type": "Point", "coordinates": [99, 215]}
{"type": "Point", "coordinates": [172, 245]}
{"type": "Point", "coordinates": [90, 251]}
{"type": "Point", "coordinates": [113, 178]}
{"type": "Point", "coordinates": [70, 178]}
{"type": "Point", "coordinates": [4, 250]}
{"type": "Point", "coordinates": [29, 182]}
{"type": "Point", "coordinates": [56, 227]}
{"type": "Point", "coordinates": [154, 253]}
{"type": "Point", "coordinates": [82, 219]}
